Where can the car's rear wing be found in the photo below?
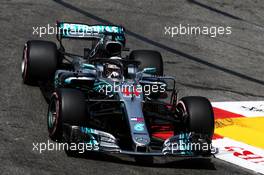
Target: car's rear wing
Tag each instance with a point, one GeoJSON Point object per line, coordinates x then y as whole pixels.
{"type": "Point", "coordinates": [84, 31]}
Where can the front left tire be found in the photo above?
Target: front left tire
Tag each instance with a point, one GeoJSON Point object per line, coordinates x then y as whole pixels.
{"type": "Point", "coordinates": [39, 61]}
{"type": "Point", "coordinates": [67, 106]}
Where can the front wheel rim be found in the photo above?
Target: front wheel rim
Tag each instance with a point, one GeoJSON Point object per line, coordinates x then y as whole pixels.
{"type": "Point", "coordinates": [24, 62]}
{"type": "Point", "coordinates": [53, 114]}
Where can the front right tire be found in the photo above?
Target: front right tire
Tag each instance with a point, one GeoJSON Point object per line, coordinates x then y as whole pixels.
{"type": "Point", "coordinates": [198, 115]}
{"type": "Point", "coordinates": [148, 59]}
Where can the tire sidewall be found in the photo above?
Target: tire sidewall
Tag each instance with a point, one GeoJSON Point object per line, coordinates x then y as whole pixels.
{"type": "Point", "coordinates": [70, 109]}
{"type": "Point", "coordinates": [55, 132]}
{"type": "Point", "coordinates": [40, 59]}
{"type": "Point", "coordinates": [197, 120]}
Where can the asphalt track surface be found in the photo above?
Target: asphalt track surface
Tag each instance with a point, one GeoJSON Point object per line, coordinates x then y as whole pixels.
{"type": "Point", "coordinates": [225, 68]}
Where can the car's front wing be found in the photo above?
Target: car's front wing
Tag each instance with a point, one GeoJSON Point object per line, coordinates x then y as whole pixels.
{"type": "Point", "coordinates": [184, 144]}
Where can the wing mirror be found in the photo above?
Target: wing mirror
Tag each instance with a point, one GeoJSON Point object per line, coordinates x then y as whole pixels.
{"type": "Point", "coordinates": [149, 70]}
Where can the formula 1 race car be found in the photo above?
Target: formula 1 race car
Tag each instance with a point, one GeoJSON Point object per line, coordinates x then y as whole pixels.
{"type": "Point", "coordinates": [117, 104]}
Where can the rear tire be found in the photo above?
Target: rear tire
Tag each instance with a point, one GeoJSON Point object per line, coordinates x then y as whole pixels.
{"type": "Point", "coordinates": [39, 61]}
{"type": "Point", "coordinates": [148, 59]}
{"type": "Point", "coordinates": [199, 113]}
{"type": "Point", "coordinates": [67, 106]}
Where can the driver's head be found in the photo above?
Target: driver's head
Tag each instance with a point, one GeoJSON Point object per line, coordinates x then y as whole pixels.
{"type": "Point", "coordinates": [113, 71]}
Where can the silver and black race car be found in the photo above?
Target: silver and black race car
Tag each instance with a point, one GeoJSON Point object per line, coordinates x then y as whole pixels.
{"type": "Point", "coordinates": [115, 103]}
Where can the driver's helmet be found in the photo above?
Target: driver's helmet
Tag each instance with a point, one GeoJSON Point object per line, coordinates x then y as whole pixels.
{"type": "Point", "coordinates": [113, 71]}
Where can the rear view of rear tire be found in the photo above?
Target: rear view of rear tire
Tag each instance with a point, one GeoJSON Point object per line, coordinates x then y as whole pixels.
{"type": "Point", "coordinates": [67, 106]}
{"type": "Point", "coordinates": [39, 61]}
{"type": "Point", "coordinates": [148, 59]}
{"type": "Point", "coordinates": [199, 113]}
